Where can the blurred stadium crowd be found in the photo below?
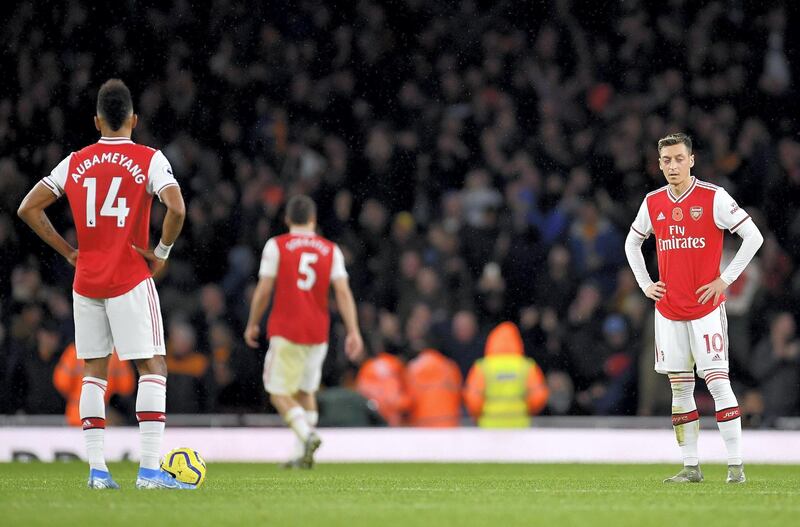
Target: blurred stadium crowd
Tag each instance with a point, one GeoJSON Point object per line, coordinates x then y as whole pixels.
{"type": "Point", "coordinates": [476, 161]}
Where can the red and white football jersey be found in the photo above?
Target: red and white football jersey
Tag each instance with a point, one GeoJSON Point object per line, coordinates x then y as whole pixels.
{"type": "Point", "coordinates": [689, 234]}
{"type": "Point", "coordinates": [109, 186]}
{"type": "Point", "coordinates": [303, 264]}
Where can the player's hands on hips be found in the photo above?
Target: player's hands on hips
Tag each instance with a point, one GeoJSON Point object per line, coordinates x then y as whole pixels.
{"type": "Point", "coordinates": [714, 289]}
{"type": "Point", "coordinates": [656, 291]}
{"type": "Point", "coordinates": [251, 333]}
{"type": "Point", "coordinates": [354, 346]}
{"type": "Point", "coordinates": [157, 265]}
{"type": "Point", "coordinates": [72, 258]}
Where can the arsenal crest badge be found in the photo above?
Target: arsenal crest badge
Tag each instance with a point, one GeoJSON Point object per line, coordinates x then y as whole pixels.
{"type": "Point", "coordinates": [677, 214]}
{"type": "Point", "coordinates": [696, 212]}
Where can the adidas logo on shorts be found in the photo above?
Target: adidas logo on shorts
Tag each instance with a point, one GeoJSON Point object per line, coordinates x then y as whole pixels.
{"type": "Point", "coordinates": [716, 357]}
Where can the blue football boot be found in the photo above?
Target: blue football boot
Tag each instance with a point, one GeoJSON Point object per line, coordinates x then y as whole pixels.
{"type": "Point", "coordinates": [100, 479]}
{"type": "Point", "coordinates": [150, 478]}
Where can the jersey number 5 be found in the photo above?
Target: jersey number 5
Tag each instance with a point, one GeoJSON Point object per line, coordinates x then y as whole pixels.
{"type": "Point", "coordinates": [309, 276]}
{"type": "Point", "coordinates": [120, 211]}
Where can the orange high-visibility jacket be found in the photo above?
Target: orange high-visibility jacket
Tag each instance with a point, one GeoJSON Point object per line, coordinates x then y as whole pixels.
{"type": "Point", "coordinates": [381, 379]}
{"type": "Point", "coordinates": [503, 341]}
{"type": "Point", "coordinates": [434, 386]}
{"type": "Point", "coordinates": [68, 378]}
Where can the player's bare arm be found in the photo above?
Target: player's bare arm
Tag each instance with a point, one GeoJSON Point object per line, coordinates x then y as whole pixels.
{"type": "Point", "coordinates": [353, 343]}
{"type": "Point", "coordinates": [258, 306]}
{"type": "Point", "coordinates": [170, 229]}
{"type": "Point", "coordinates": [31, 210]}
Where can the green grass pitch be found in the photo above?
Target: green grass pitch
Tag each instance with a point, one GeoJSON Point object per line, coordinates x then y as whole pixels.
{"type": "Point", "coordinates": [388, 495]}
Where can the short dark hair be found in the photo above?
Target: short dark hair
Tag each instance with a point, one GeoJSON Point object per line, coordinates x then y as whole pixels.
{"type": "Point", "coordinates": [114, 103]}
{"type": "Point", "coordinates": [675, 139]}
{"type": "Point", "coordinates": [300, 210]}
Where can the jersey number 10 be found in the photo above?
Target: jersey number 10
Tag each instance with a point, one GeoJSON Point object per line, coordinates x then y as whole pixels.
{"type": "Point", "coordinates": [120, 211]}
{"type": "Point", "coordinates": [714, 342]}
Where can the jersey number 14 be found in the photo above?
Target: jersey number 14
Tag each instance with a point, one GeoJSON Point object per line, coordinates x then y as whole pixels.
{"type": "Point", "coordinates": [118, 210]}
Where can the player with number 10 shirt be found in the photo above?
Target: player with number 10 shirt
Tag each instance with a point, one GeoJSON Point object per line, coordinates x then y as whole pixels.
{"type": "Point", "coordinates": [688, 218]}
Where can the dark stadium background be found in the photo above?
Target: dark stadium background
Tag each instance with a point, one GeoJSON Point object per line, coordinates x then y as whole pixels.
{"type": "Point", "coordinates": [442, 141]}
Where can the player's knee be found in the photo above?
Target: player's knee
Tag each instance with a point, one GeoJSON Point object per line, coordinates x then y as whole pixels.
{"type": "Point", "coordinates": [682, 385]}
{"type": "Point", "coordinates": [97, 368]}
{"type": "Point", "coordinates": [155, 365]}
{"type": "Point", "coordinates": [683, 390]}
{"type": "Point", "coordinates": [720, 388]}
{"type": "Point", "coordinates": [304, 397]}
{"type": "Point", "coordinates": [279, 400]}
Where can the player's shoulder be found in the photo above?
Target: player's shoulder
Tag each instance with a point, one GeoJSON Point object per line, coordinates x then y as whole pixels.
{"type": "Point", "coordinates": [705, 185]}
{"type": "Point", "coordinates": [325, 240]}
{"type": "Point", "coordinates": [146, 150]}
{"type": "Point", "coordinates": [656, 193]}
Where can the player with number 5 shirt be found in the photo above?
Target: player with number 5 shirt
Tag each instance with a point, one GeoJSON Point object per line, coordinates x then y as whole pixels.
{"type": "Point", "coordinates": [688, 218]}
{"type": "Point", "coordinates": [300, 267]}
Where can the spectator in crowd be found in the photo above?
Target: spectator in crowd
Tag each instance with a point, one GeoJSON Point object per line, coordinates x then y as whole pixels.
{"type": "Point", "coordinates": [39, 366]}
{"type": "Point", "coordinates": [595, 245]}
{"type": "Point", "coordinates": [463, 341]}
{"type": "Point", "coordinates": [236, 373]}
{"type": "Point", "coordinates": [740, 296]}
{"type": "Point", "coordinates": [776, 368]}
{"type": "Point", "coordinates": [434, 388]}
{"type": "Point", "coordinates": [613, 388]}
{"type": "Point", "coordinates": [555, 286]}
{"type": "Point", "coordinates": [583, 331]}
{"type": "Point", "coordinates": [188, 379]}
{"type": "Point", "coordinates": [382, 380]}
{"type": "Point", "coordinates": [68, 378]}
{"type": "Point", "coordinates": [505, 388]}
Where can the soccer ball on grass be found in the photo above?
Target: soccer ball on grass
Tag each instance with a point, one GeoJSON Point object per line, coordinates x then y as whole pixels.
{"type": "Point", "coordinates": [185, 465]}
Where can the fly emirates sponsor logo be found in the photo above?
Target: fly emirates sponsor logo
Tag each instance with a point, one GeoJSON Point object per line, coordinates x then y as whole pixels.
{"type": "Point", "coordinates": [678, 240]}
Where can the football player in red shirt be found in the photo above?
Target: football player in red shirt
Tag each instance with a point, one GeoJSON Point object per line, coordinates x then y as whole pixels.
{"type": "Point", "coordinates": [110, 186]}
{"type": "Point", "coordinates": [688, 218]}
{"type": "Point", "coordinates": [300, 267]}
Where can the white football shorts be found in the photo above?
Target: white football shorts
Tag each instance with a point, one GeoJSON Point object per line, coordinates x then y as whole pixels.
{"type": "Point", "coordinates": [683, 344]}
{"type": "Point", "coordinates": [290, 367]}
{"type": "Point", "coordinates": [130, 323]}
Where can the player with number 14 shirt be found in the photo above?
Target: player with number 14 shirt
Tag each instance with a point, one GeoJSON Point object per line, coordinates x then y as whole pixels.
{"type": "Point", "coordinates": [110, 186]}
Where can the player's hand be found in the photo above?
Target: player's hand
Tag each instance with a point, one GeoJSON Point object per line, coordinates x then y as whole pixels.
{"type": "Point", "coordinates": [656, 291]}
{"type": "Point", "coordinates": [354, 346]}
{"type": "Point", "coordinates": [72, 258]}
{"type": "Point", "coordinates": [157, 265]}
{"type": "Point", "coordinates": [251, 334]}
{"type": "Point", "coordinates": [712, 290]}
